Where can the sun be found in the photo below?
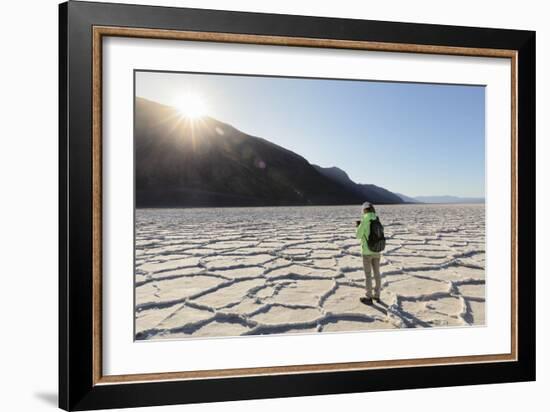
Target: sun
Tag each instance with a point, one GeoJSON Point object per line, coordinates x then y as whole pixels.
{"type": "Point", "coordinates": [192, 106]}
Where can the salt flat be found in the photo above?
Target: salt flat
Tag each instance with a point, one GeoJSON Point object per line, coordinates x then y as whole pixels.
{"type": "Point", "coordinates": [247, 271]}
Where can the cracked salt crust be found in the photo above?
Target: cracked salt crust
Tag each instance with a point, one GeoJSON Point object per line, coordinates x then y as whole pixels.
{"type": "Point", "coordinates": [248, 271]}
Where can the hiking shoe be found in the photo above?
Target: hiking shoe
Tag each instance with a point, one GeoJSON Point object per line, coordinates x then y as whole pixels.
{"type": "Point", "coordinates": [377, 299]}
{"type": "Point", "coordinates": [366, 301]}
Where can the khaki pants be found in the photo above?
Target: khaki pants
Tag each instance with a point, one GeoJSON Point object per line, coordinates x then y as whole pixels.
{"type": "Point", "coordinates": [371, 263]}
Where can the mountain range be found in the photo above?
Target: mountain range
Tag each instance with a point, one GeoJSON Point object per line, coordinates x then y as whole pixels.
{"type": "Point", "coordinates": [448, 199]}
{"type": "Point", "coordinates": [205, 162]}
{"type": "Point", "coordinates": [370, 192]}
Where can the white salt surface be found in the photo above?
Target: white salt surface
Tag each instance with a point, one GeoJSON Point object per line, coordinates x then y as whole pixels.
{"type": "Point", "coordinates": [247, 271]}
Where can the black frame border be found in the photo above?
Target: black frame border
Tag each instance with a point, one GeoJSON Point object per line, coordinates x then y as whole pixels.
{"type": "Point", "coordinates": [76, 387]}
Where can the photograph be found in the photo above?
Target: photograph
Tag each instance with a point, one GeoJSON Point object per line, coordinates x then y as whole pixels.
{"type": "Point", "coordinates": [287, 205]}
{"type": "Point", "coordinates": [260, 204]}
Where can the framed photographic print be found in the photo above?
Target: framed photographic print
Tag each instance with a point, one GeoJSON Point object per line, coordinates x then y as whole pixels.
{"type": "Point", "coordinates": [257, 205]}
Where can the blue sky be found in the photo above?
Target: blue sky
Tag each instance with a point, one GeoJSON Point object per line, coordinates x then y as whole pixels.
{"type": "Point", "coordinates": [415, 139]}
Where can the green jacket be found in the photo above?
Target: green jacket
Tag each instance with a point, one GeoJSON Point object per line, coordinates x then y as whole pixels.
{"type": "Point", "coordinates": [363, 232]}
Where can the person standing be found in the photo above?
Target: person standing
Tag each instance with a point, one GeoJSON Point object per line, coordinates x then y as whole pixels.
{"type": "Point", "coordinates": [372, 243]}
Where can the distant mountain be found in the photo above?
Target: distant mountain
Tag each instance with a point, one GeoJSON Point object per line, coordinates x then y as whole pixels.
{"type": "Point", "coordinates": [206, 162]}
{"type": "Point", "coordinates": [449, 199]}
{"type": "Point", "coordinates": [408, 199]}
{"type": "Point", "coordinates": [370, 192]}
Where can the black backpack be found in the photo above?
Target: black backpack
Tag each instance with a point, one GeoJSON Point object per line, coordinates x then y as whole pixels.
{"type": "Point", "coordinates": [376, 240]}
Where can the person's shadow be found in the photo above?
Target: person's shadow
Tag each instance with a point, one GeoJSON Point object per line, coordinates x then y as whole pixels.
{"type": "Point", "coordinates": [383, 309]}
{"type": "Point", "coordinates": [49, 398]}
{"type": "Point", "coordinates": [410, 320]}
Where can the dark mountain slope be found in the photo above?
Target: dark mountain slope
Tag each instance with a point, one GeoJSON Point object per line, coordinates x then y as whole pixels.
{"type": "Point", "coordinates": [370, 192]}
{"type": "Point", "coordinates": [205, 162]}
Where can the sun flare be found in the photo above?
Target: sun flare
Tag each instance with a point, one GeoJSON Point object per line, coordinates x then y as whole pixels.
{"type": "Point", "coordinates": [192, 106]}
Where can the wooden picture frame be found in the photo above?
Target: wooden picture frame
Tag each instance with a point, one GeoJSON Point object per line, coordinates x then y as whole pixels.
{"type": "Point", "coordinates": [82, 385]}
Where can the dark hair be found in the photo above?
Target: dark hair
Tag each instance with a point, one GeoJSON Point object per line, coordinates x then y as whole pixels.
{"type": "Point", "coordinates": [370, 209]}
